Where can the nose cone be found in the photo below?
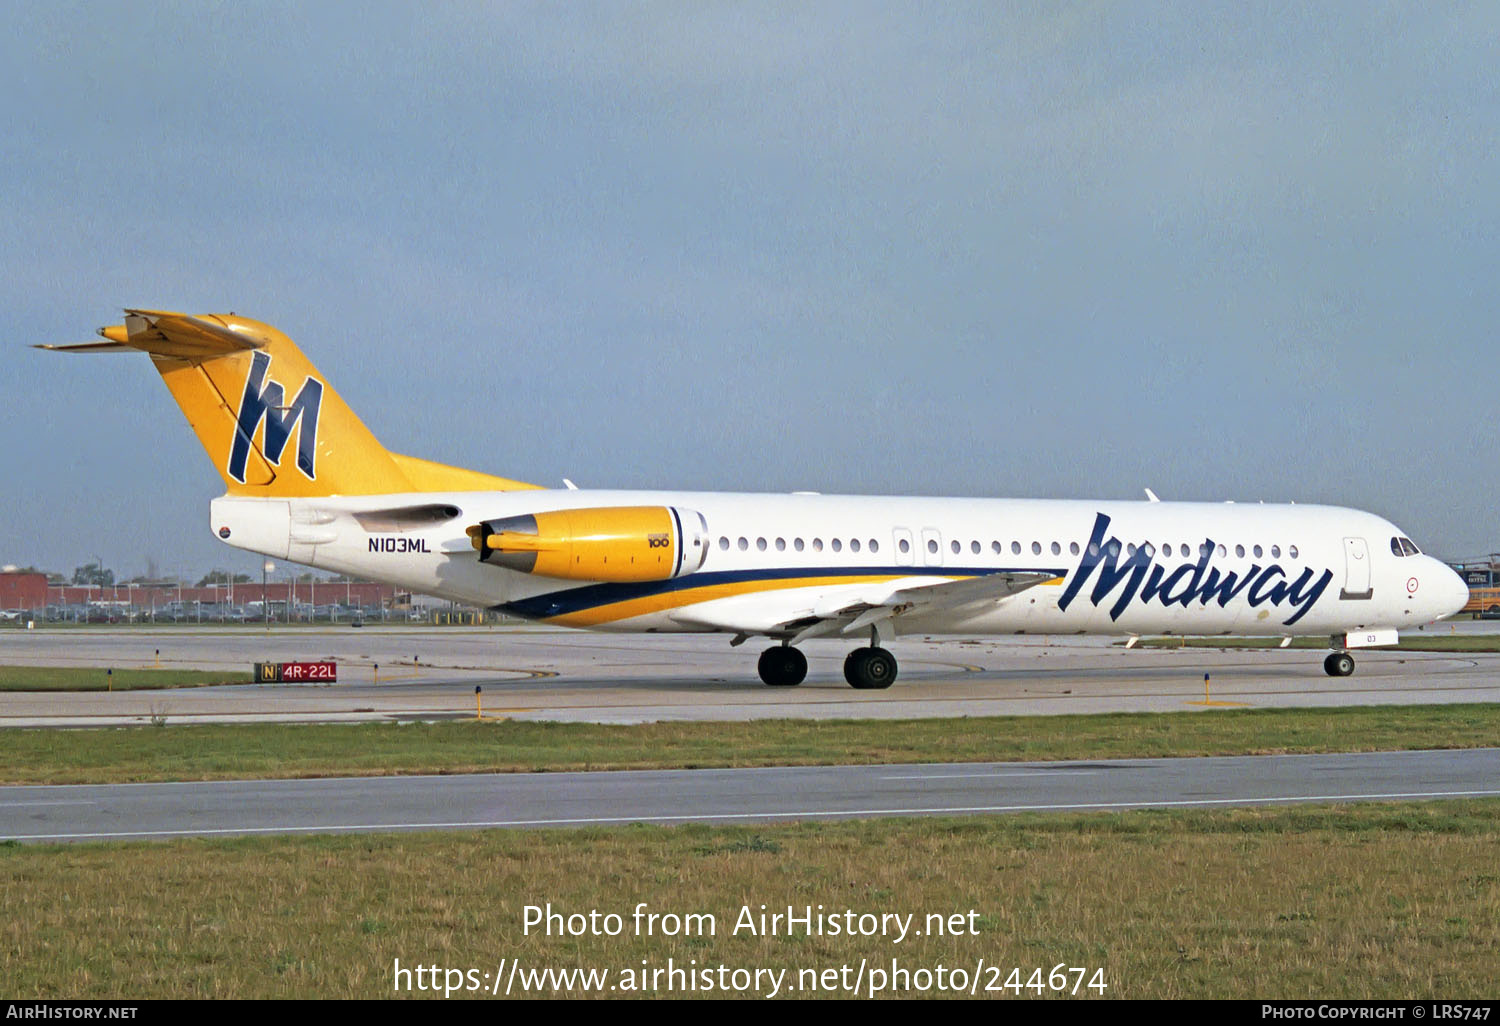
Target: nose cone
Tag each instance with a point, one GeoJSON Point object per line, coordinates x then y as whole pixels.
{"type": "Point", "coordinates": [1449, 592]}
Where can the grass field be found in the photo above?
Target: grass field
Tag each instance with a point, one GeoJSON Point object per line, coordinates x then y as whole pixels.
{"type": "Point", "coordinates": [278, 750]}
{"type": "Point", "coordinates": [73, 678]}
{"type": "Point", "coordinates": [1396, 901]}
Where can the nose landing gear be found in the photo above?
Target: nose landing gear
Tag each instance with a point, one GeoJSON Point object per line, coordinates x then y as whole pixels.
{"type": "Point", "coordinates": [1338, 664]}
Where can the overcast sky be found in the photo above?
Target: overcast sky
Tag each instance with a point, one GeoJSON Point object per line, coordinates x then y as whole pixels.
{"type": "Point", "coordinates": [1049, 249]}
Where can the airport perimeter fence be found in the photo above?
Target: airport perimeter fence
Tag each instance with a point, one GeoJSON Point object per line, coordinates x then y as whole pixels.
{"type": "Point", "coordinates": [251, 614]}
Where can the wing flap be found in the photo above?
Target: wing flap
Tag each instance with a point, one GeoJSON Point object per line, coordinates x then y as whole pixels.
{"type": "Point", "coordinates": [797, 615]}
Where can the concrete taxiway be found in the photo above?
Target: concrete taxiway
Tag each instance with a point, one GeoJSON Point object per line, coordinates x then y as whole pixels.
{"type": "Point", "coordinates": [554, 674]}
{"type": "Point", "coordinates": [125, 811]}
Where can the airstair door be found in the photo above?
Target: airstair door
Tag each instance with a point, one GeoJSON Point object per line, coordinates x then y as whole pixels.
{"type": "Point", "coordinates": [1356, 570]}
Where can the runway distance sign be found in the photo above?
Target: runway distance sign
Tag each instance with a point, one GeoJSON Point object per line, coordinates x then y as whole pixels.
{"type": "Point", "coordinates": [296, 673]}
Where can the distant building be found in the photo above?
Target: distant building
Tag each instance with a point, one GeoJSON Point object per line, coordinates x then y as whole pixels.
{"type": "Point", "coordinates": [22, 590]}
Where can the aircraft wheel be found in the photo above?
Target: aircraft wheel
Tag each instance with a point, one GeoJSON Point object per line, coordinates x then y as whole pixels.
{"type": "Point", "coordinates": [783, 666]}
{"type": "Point", "coordinates": [870, 669]}
{"type": "Point", "coordinates": [1338, 664]}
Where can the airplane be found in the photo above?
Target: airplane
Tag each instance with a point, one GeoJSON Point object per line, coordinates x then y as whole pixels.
{"type": "Point", "coordinates": [307, 482]}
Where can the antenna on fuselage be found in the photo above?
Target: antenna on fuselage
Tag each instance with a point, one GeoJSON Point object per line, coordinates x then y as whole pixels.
{"type": "Point", "coordinates": [1151, 496]}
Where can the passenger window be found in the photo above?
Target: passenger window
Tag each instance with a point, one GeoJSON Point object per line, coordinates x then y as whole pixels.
{"type": "Point", "coordinates": [1275, 551]}
{"type": "Point", "coordinates": [760, 543]}
{"type": "Point", "coordinates": [955, 547]}
{"type": "Point", "coordinates": [1056, 549]}
{"type": "Point", "coordinates": [874, 545]}
{"type": "Point", "coordinates": [1258, 551]}
{"type": "Point", "coordinates": [838, 546]}
{"type": "Point", "coordinates": [797, 544]}
{"type": "Point", "coordinates": [995, 547]}
{"type": "Point", "coordinates": [817, 544]}
{"type": "Point", "coordinates": [744, 545]}
{"type": "Point", "coordinates": [1015, 548]}
{"type": "Point", "coordinates": [931, 544]}
{"type": "Point", "coordinates": [724, 544]}
{"type": "Point", "coordinates": [1036, 548]}
{"type": "Point", "coordinates": [1222, 551]}
{"type": "Point", "coordinates": [854, 545]}
{"type": "Point", "coordinates": [1239, 550]}
{"type": "Point", "coordinates": [974, 547]}
{"type": "Point", "coordinates": [1073, 548]}
{"type": "Point", "coordinates": [904, 545]}
{"type": "Point", "coordinates": [780, 544]}
{"type": "Point", "coordinates": [1291, 551]}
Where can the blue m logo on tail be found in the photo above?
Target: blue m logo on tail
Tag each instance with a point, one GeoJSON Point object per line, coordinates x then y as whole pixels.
{"type": "Point", "coordinates": [268, 403]}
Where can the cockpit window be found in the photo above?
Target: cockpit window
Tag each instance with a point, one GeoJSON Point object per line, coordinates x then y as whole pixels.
{"type": "Point", "coordinates": [1404, 547]}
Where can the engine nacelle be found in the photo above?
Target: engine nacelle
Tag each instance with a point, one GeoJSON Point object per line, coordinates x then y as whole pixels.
{"type": "Point", "coordinates": [609, 543]}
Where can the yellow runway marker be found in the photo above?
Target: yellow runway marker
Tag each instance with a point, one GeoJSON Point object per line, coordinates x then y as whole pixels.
{"type": "Point", "coordinates": [1209, 701]}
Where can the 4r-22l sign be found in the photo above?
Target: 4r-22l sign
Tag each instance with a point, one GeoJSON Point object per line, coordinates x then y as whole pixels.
{"type": "Point", "coordinates": [297, 673]}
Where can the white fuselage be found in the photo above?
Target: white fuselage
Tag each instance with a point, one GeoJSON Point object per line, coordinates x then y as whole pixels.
{"type": "Point", "coordinates": [1115, 567]}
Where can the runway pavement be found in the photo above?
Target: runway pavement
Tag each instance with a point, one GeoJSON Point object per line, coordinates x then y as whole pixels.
{"type": "Point", "coordinates": [556, 674]}
{"type": "Point", "coordinates": [129, 811]}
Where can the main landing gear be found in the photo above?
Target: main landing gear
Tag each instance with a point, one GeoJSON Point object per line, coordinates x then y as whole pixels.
{"type": "Point", "coordinates": [868, 669]}
{"type": "Point", "coordinates": [783, 666]}
{"type": "Point", "coordinates": [1338, 664]}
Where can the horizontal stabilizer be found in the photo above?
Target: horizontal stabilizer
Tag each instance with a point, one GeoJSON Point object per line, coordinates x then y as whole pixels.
{"type": "Point", "coordinates": [89, 347]}
{"type": "Point", "coordinates": [175, 335]}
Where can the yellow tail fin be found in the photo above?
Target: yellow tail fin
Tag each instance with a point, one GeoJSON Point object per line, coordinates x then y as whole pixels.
{"type": "Point", "coordinates": [270, 423]}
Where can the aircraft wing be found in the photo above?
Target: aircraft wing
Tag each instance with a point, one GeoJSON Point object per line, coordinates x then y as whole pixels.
{"type": "Point", "coordinates": [798, 615]}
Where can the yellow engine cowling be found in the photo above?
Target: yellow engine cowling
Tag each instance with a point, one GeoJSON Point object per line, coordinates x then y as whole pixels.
{"type": "Point", "coordinates": [610, 543]}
